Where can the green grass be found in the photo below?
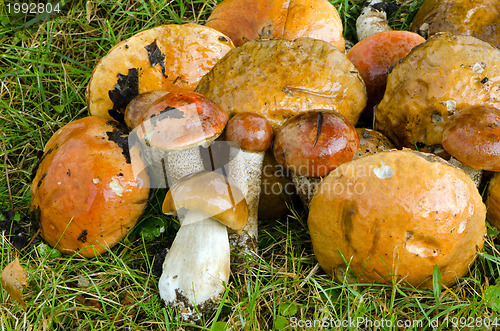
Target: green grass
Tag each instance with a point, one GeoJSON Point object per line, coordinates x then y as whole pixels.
{"type": "Point", "coordinates": [45, 64]}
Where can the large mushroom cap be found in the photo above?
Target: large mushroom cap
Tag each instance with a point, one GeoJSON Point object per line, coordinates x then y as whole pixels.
{"type": "Point", "coordinates": [315, 142]}
{"type": "Point", "coordinates": [181, 120]}
{"type": "Point", "coordinates": [480, 19]}
{"type": "Point", "coordinates": [472, 136]}
{"type": "Point", "coordinates": [170, 57]}
{"type": "Point", "coordinates": [244, 20]}
{"type": "Point", "coordinates": [444, 74]}
{"type": "Point", "coordinates": [397, 213]}
{"type": "Point", "coordinates": [211, 193]}
{"type": "Point", "coordinates": [84, 191]}
{"type": "Point", "coordinates": [493, 201]}
{"type": "Point", "coordinates": [280, 78]}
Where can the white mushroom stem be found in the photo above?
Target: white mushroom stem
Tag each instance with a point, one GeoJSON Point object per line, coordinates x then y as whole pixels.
{"type": "Point", "coordinates": [306, 187]}
{"type": "Point", "coordinates": [474, 174]}
{"type": "Point", "coordinates": [196, 267]}
{"type": "Point", "coordinates": [182, 163]}
{"type": "Point", "coordinates": [373, 19]}
{"type": "Point", "coordinates": [245, 169]}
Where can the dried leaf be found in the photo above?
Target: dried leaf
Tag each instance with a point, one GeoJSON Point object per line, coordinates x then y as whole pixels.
{"type": "Point", "coordinates": [14, 278]}
{"type": "Point", "coordinates": [88, 301]}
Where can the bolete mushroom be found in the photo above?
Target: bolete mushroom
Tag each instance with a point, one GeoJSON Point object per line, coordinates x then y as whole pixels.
{"type": "Point", "coordinates": [393, 216]}
{"type": "Point", "coordinates": [373, 18]}
{"type": "Point", "coordinates": [493, 201]}
{"type": "Point", "coordinates": [196, 267]}
{"type": "Point", "coordinates": [371, 141]}
{"type": "Point", "coordinates": [280, 78]}
{"type": "Point", "coordinates": [245, 20]}
{"type": "Point", "coordinates": [445, 74]}
{"type": "Point", "coordinates": [171, 132]}
{"type": "Point", "coordinates": [480, 19]}
{"type": "Point", "coordinates": [311, 145]}
{"type": "Point", "coordinates": [171, 57]}
{"type": "Point", "coordinates": [252, 134]}
{"type": "Point", "coordinates": [85, 193]}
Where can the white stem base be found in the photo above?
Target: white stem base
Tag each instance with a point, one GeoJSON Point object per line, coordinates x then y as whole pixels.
{"type": "Point", "coordinates": [196, 267]}
{"type": "Point", "coordinates": [371, 21]}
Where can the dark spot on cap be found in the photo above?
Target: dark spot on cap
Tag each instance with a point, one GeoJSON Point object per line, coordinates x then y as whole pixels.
{"type": "Point", "coordinates": [68, 172]}
{"type": "Point", "coordinates": [37, 165]}
{"type": "Point", "coordinates": [126, 88]}
{"type": "Point", "coordinates": [155, 57]}
{"type": "Point", "coordinates": [120, 137]}
{"type": "Point", "coordinates": [176, 79]}
{"type": "Point", "coordinates": [83, 236]}
{"type": "Point", "coordinates": [222, 38]}
{"type": "Point", "coordinates": [41, 179]}
{"type": "Point", "coordinates": [126, 46]}
{"type": "Point", "coordinates": [485, 80]}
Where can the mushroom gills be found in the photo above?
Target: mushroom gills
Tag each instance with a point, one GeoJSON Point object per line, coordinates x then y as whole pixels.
{"type": "Point", "coordinates": [196, 266]}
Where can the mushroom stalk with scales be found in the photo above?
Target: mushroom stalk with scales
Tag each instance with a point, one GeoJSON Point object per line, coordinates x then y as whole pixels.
{"type": "Point", "coordinates": [197, 266]}
{"type": "Point", "coordinates": [252, 134]}
{"type": "Point", "coordinates": [373, 18]}
{"type": "Point", "coordinates": [311, 145]}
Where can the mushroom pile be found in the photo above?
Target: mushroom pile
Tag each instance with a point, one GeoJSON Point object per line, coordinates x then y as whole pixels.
{"type": "Point", "coordinates": [180, 107]}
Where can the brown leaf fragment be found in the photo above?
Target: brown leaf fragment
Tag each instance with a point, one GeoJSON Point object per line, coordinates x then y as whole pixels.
{"type": "Point", "coordinates": [14, 278]}
{"type": "Point", "coordinates": [88, 301]}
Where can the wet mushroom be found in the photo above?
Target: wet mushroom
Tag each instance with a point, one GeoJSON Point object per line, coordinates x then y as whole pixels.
{"type": "Point", "coordinates": [196, 268]}
{"type": "Point", "coordinates": [86, 195]}
{"type": "Point", "coordinates": [311, 145]}
{"type": "Point", "coordinates": [245, 20]}
{"type": "Point", "coordinates": [374, 56]}
{"type": "Point", "coordinates": [171, 132]}
{"type": "Point", "coordinates": [371, 142]}
{"type": "Point", "coordinates": [445, 74]}
{"type": "Point", "coordinates": [139, 105]}
{"type": "Point", "coordinates": [480, 19]}
{"type": "Point", "coordinates": [280, 78]}
{"type": "Point", "coordinates": [391, 223]}
{"type": "Point", "coordinates": [252, 134]}
{"type": "Point", "coordinates": [172, 57]}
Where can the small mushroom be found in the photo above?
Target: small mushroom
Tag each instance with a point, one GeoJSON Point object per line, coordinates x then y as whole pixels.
{"type": "Point", "coordinates": [253, 135]}
{"type": "Point", "coordinates": [493, 201]}
{"type": "Point", "coordinates": [373, 18]}
{"type": "Point", "coordinates": [86, 195]}
{"type": "Point", "coordinates": [196, 268]}
{"type": "Point", "coordinates": [472, 136]}
{"type": "Point", "coordinates": [243, 20]}
{"type": "Point", "coordinates": [171, 132]}
{"type": "Point", "coordinates": [371, 142]}
{"type": "Point", "coordinates": [311, 145]}
{"type": "Point", "coordinates": [393, 216]}
{"type": "Point", "coordinates": [139, 105]}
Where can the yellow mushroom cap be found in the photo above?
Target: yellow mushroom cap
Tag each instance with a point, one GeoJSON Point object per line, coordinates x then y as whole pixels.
{"type": "Point", "coordinates": [211, 193]}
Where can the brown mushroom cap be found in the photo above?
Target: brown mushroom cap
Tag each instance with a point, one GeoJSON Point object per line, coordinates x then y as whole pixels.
{"type": "Point", "coordinates": [371, 142]}
{"type": "Point", "coordinates": [181, 120]}
{"type": "Point", "coordinates": [315, 142]}
{"type": "Point", "coordinates": [170, 57]}
{"type": "Point", "coordinates": [280, 78]}
{"type": "Point", "coordinates": [251, 132]}
{"type": "Point", "coordinates": [472, 136]}
{"type": "Point", "coordinates": [480, 19]}
{"type": "Point", "coordinates": [397, 213]}
{"type": "Point", "coordinates": [493, 201]}
{"type": "Point", "coordinates": [211, 193]}
{"type": "Point", "coordinates": [138, 106]}
{"type": "Point", "coordinates": [243, 20]}
{"type": "Point", "coordinates": [84, 191]}
{"type": "Point", "coordinates": [444, 74]}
